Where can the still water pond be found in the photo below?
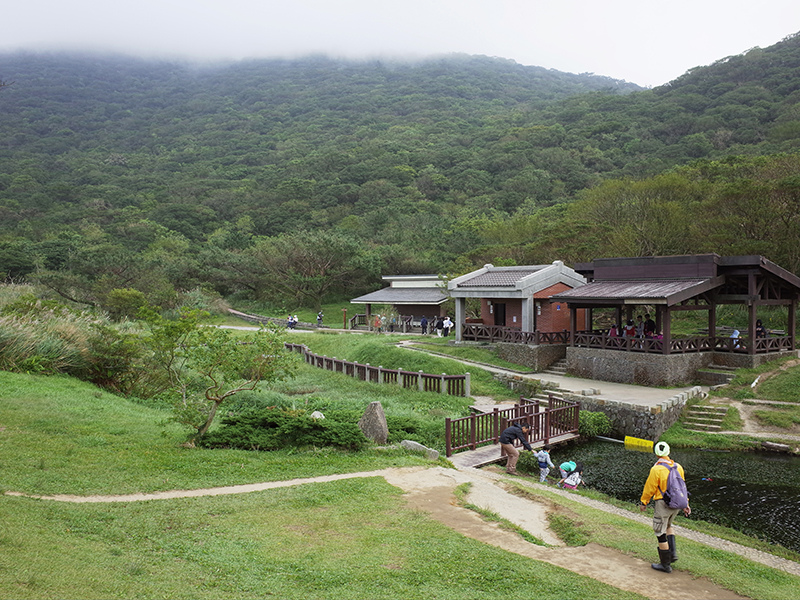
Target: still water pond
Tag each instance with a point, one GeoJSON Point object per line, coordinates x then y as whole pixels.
{"type": "Point", "coordinates": [755, 493]}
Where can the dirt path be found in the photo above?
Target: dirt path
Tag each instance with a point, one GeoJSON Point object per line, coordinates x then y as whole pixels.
{"type": "Point", "coordinates": [751, 425]}
{"type": "Point", "coordinates": [431, 490]}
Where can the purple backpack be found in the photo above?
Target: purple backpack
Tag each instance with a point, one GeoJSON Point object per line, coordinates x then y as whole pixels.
{"type": "Point", "coordinates": [676, 495]}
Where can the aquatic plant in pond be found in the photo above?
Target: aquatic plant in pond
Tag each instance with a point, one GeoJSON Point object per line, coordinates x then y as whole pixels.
{"type": "Point", "coordinates": [755, 493]}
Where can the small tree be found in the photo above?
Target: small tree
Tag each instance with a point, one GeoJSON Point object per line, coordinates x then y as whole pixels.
{"type": "Point", "coordinates": [207, 365]}
{"type": "Point", "coordinates": [230, 365]}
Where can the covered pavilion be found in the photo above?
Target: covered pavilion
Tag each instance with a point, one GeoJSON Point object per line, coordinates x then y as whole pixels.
{"type": "Point", "coordinates": [668, 285]}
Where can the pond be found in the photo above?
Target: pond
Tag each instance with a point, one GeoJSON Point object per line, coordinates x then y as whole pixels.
{"type": "Point", "coordinates": [756, 493]}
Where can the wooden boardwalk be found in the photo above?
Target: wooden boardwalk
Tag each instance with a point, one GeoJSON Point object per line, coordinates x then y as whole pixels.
{"type": "Point", "coordinates": [486, 455]}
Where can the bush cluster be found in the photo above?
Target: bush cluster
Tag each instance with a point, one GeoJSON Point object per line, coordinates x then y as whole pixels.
{"type": "Point", "coordinates": [48, 338]}
{"type": "Point", "coordinates": [591, 424]}
{"type": "Point", "coordinates": [274, 428]}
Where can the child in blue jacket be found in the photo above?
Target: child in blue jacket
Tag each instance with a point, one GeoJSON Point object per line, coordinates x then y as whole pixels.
{"type": "Point", "coordinates": [545, 464]}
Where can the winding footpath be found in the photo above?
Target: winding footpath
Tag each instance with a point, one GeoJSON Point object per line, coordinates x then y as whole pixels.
{"type": "Point", "coordinates": [410, 479]}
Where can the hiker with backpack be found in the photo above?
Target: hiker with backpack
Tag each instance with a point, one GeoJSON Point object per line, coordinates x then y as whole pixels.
{"type": "Point", "coordinates": [666, 486]}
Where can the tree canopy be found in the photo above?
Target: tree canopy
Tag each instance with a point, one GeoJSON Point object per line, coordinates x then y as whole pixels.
{"type": "Point", "coordinates": [123, 174]}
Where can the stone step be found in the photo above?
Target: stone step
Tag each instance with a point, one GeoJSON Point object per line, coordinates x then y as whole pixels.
{"type": "Point", "coordinates": [702, 426]}
{"type": "Point", "coordinates": [708, 410]}
{"type": "Point", "coordinates": [701, 420]}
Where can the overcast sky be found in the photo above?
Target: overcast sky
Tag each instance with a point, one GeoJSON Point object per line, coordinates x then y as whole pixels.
{"type": "Point", "coordinates": [644, 42]}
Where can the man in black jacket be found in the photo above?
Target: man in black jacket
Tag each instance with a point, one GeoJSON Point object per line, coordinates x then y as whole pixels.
{"type": "Point", "coordinates": [515, 432]}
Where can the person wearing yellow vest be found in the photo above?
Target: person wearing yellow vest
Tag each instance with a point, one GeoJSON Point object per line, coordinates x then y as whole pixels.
{"type": "Point", "coordinates": [663, 515]}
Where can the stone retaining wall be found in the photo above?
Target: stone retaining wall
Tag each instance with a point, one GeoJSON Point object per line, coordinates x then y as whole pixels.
{"type": "Point", "coordinates": [537, 358]}
{"type": "Point", "coordinates": [655, 370]}
{"type": "Point", "coordinates": [645, 422]}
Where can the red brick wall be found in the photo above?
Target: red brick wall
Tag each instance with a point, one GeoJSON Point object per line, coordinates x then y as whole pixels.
{"type": "Point", "coordinates": [555, 315]}
{"type": "Point", "coordinates": [513, 309]}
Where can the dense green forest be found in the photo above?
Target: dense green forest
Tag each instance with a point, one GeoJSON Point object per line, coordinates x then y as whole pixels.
{"type": "Point", "coordinates": [292, 181]}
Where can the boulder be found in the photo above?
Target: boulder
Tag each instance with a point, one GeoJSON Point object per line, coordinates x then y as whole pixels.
{"type": "Point", "coordinates": [373, 423]}
{"type": "Point", "coordinates": [430, 453]}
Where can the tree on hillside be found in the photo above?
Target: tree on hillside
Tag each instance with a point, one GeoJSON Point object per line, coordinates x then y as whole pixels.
{"type": "Point", "coordinates": [206, 366]}
{"type": "Point", "coordinates": [308, 265]}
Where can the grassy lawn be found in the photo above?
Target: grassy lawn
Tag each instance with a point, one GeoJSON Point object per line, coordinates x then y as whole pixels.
{"type": "Point", "coordinates": [469, 352]}
{"type": "Point", "coordinates": [784, 418]}
{"type": "Point", "coordinates": [780, 387]}
{"type": "Point", "coordinates": [382, 350]}
{"type": "Point", "coordinates": [346, 539]}
{"type": "Point", "coordinates": [343, 539]}
{"type": "Point", "coordinates": [62, 436]}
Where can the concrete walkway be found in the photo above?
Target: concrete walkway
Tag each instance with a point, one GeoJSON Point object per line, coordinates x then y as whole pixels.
{"type": "Point", "coordinates": [606, 390]}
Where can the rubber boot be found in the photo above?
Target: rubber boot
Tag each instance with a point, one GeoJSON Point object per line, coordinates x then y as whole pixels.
{"type": "Point", "coordinates": [673, 555]}
{"type": "Point", "coordinates": [664, 557]}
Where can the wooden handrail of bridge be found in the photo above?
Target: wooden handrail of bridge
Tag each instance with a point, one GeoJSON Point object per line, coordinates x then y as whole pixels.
{"type": "Point", "coordinates": [559, 418]}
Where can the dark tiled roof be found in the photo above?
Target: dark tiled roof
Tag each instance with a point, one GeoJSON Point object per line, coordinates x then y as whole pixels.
{"type": "Point", "coordinates": [499, 278]}
{"type": "Point", "coordinates": [620, 290]}
{"type": "Point", "coordinates": [391, 295]}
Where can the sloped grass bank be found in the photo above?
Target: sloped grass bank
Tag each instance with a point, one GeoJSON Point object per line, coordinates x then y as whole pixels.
{"type": "Point", "coordinates": [382, 350]}
{"type": "Point", "coordinates": [63, 436]}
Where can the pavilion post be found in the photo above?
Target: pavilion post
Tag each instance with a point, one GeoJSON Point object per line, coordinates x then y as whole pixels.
{"type": "Point", "coordinates": [666, 342]}
{"type": "Point", "coordinates": [712, 324]}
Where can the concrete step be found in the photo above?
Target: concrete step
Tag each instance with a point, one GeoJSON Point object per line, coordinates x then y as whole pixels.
{"type": "Point", "coordinates": [701, 420]}
{"type": "Point", "coordinates": [711, 412]}
{"type": "Point", "coordinates": [557, 368]}
{"type": "Point", "coordinates": [700, 427]}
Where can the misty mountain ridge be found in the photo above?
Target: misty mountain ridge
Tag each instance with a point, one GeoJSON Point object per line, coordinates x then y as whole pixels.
{"type": "Point", "coordinates": [109, 143]}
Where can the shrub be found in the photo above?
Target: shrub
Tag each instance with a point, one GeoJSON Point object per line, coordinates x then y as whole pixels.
{"type": "Point", "coordinates": [124, 303]}
{"type": "Point", "coordinates": [591, 424]}
{"type": "Point", "coordinates": [273, 429]}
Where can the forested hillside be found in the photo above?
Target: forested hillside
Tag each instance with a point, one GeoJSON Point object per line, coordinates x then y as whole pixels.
{"type": "Point", "coordinates": [290, 180]}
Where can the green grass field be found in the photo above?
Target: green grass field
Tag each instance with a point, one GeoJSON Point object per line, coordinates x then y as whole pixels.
{"type": "Point", "coordinates": [338, 540]}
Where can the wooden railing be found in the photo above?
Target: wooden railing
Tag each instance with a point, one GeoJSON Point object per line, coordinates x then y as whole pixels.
{"type": "Point", "coordinates": [479, 332]}
{"type": "Point", "coordinates": [559, 418]}
{"type": "Point", "coordinates": [683, 345]}
{"type": "Point", "coordinates": [404, 324]}
{"type": "Point", "coordinates": [453, 385]}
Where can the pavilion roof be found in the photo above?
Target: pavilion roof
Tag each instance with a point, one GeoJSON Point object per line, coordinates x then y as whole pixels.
{"type": "Point", "coordinates": [394, 295]}
{"type": "Point", "coordinates": [645, 291]}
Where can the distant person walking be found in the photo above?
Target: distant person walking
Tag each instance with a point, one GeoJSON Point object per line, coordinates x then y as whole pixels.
{"type": "Point", "coordinates": [423, 325]}
{"type": "Point", "coordinates": [507, 448]}
{"type": "Point", "coordinates": [439, 326]}
{"type": "Point", "coordinates": [663, 515]}
{"type": "Point", "coordinates": [319, 319]}
{"type": "Point", "coordinates": [447, 324]}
